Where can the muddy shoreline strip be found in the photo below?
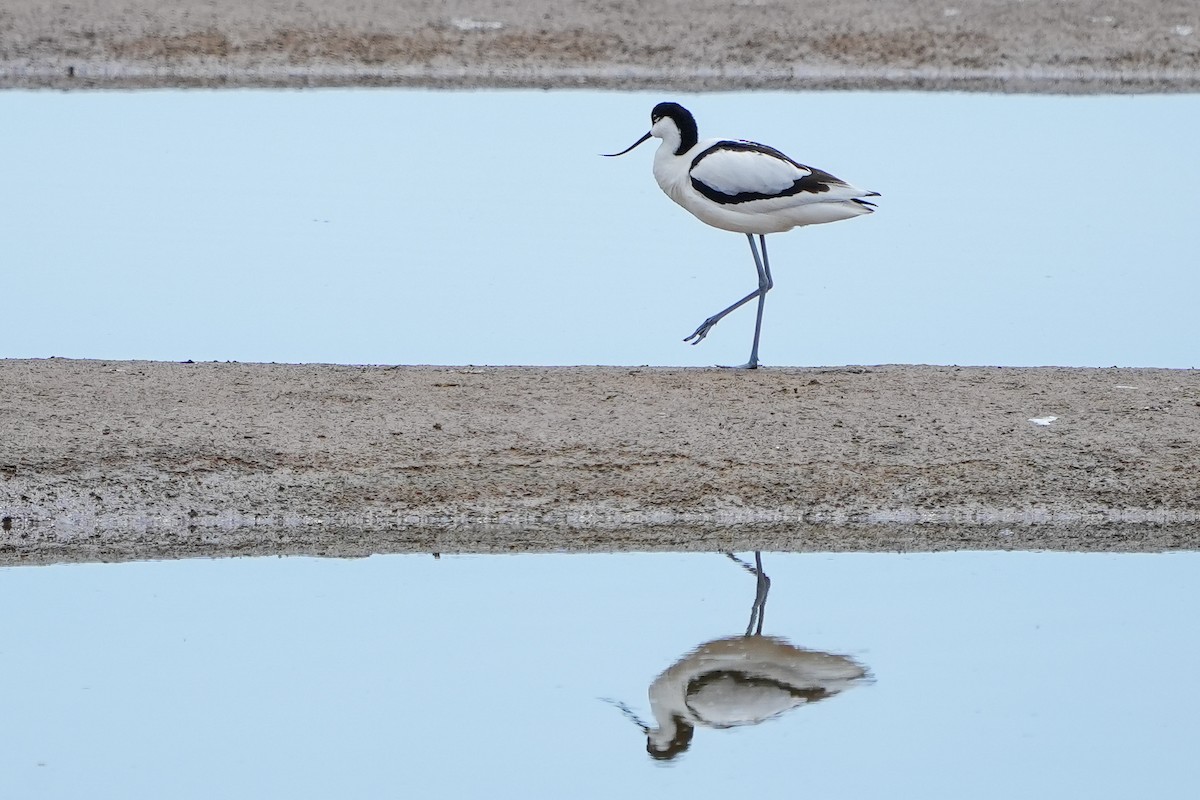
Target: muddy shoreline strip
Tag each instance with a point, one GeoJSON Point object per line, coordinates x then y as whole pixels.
{"type": "Point", "coordinates": [1078, 46]}
{"type": "Point", "coordinates": [999, 80]}
{"type": "Point", "coordinates": [112, 460]}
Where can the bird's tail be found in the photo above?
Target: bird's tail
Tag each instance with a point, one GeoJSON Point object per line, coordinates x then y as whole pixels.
{"type": "Point", "coordinates": [867, 205]}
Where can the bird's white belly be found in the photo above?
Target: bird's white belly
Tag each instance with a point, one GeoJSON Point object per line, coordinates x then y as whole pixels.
{"type": "Point", "coordinates": [766, 216]}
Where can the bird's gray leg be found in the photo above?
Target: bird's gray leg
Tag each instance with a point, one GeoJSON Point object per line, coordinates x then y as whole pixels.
{"type": "Point", "coordinates": [698, 335]}
{"type": "Point", "coordinates": [763, 584]}
{"type": "Point", "coordinates": [764, 280]}
{"type": "Point", "coordinates": [764, 285]}
{"type": "Point", "coordinates": [762, 587]}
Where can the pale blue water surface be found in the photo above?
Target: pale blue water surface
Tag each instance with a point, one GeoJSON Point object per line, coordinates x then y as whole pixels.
{"type": "Point", "coordinates": [991, 676]}
{"type": "Point", "coordinates": [394, 226]}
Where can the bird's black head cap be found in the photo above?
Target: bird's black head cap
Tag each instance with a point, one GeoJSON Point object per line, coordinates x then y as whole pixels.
{"type": "Point", "coordinates": [683, 119]}
{"type": "Point", "coordinates": [680, 743]}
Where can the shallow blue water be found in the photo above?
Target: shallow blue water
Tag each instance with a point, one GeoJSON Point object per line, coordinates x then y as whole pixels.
{"type": "Point", "coordinates": [992, 675]}
{"type": "Point", "coordinates": [393, 226]}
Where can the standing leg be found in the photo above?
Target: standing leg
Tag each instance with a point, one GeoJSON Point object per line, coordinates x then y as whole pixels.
{"type": "Point", "coordinates": [764, 285]}
{"type": "Point", "coordinates": [762, 587]}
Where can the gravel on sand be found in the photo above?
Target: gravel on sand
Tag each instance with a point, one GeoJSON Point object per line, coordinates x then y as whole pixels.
{"type": "Point", "coordinates": [131, 460]}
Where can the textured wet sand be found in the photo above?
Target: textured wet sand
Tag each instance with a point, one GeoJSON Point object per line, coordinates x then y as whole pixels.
{"type": "Point", "coordinates": [130, 460]}
{"type": "Point", "coordinates": [992, 45]}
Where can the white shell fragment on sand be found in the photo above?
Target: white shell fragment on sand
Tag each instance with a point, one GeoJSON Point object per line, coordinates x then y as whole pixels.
{"type": "Point", "coordinates": [1042, 420]}
{"type": "Point", "coordinates": [466, 24]}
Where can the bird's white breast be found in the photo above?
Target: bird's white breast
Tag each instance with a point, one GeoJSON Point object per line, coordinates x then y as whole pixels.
{"type": "Point", "coordinates": [671, 171]}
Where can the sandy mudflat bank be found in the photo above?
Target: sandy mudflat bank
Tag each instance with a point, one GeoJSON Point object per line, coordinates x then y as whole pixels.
{"type": "Point", "coordinates": [128, 460]}
{"type": "Point", "coordinates": [991, 45]}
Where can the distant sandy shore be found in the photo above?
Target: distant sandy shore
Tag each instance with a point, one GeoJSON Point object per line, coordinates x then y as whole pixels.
{"type": "Point", "coordinates": [138, 460]}
{"type": "Point", "coordinates": [989, 45]}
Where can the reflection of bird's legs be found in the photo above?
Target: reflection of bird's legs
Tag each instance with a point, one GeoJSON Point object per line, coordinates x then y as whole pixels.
{"type": "Point", "coordinates": [763, 585]}
{"type": "Point", "coordinates": [760, 595]}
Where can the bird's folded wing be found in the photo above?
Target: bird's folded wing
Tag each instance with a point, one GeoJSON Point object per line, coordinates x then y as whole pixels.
{"type": "Point", "coordinates": [740, 172]}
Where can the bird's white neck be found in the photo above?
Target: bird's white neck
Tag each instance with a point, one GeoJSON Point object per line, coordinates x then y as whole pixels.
{"type": "Point", "coordinates": [670, 170]}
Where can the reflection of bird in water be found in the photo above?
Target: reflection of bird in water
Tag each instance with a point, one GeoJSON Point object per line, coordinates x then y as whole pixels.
{"type": "Point", "coordinates": [739, 680]}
